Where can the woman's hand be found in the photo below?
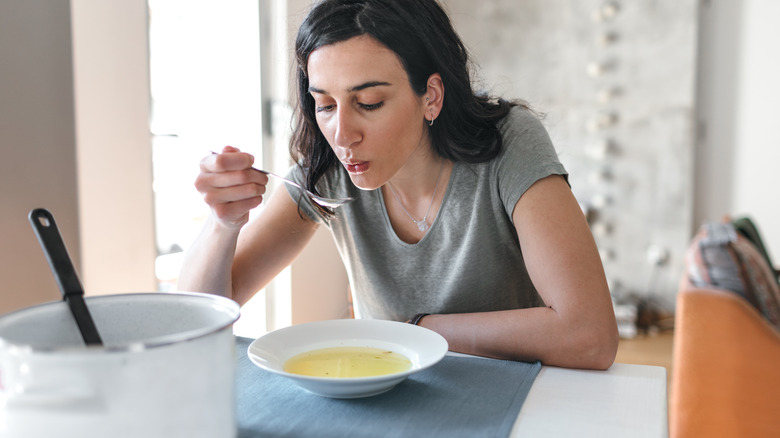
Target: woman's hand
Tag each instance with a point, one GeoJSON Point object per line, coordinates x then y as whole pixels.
{"type": "Point", "coordinates": [230, 256]}
{"type": "Point", "coordinates": [230, 186]}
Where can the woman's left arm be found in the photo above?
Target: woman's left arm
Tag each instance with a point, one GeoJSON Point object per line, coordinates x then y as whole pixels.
{"type": "Point", "coordinates": [577, 328]}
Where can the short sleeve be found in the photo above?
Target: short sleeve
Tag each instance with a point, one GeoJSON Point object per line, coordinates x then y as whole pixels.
{"type": "Point", "coordinates": [527, 156]}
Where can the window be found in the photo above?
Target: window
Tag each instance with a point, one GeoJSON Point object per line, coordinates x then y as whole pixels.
{"type": "Point", "coordinates": [205, 73]}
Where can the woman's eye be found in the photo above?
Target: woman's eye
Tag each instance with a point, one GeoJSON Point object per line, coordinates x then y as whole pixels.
{"type": "Point", "coordinates": [372, 106]}
{"type": "Point", "coordinates": [324, 108]}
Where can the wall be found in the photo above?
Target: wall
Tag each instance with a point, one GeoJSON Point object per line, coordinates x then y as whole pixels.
{"type": "Point", "coordinates": [75, 139]}
{"type": "Point", "coordinates": [37, 140]}
{"type": "Point", "coordinates": [739, 144]}
{"type": "Point", "coordinates": [111, 83]}
{"type": "Point", "coordinates": [757, 137]}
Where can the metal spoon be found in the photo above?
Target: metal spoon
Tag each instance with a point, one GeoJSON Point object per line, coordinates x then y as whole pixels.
{"type": "Point", "coordinates": [50, 239]}
{"type": "Point", "coordinates": [323, 201]}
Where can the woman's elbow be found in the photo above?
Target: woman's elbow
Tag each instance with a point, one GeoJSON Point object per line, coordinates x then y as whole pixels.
{"type": "Point", "coordinates": [600, 348]}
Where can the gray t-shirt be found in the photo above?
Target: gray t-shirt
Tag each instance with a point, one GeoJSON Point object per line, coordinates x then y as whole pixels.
{"type": "Point", "coordinates": [470, 259]}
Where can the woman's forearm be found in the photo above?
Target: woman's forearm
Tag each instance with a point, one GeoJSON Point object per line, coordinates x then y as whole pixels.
{"type": "Point", "coordinates": [530, 335]}
{"type": "Point", "coordinates": [207, 265]}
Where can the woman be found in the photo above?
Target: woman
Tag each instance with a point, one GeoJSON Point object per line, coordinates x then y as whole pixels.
{"type": "Point", "coordinates": [463, 221]}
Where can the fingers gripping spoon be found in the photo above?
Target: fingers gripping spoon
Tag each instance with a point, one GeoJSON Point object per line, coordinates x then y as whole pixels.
{"type": "Point", "coordinates": [321, 200]}
{"type": "Point", "coordinates": [53, 246]}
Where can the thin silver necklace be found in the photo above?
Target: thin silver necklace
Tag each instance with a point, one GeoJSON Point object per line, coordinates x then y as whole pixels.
{"type": "Point", "coordinates": [422, 224]}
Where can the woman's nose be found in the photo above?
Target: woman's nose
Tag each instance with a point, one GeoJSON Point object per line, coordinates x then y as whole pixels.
{"type": "Point", "coordinates": [347, 130]}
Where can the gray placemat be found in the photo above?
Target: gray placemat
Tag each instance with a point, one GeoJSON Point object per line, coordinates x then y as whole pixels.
{"type": "Point", "coordinates": [458, 397]}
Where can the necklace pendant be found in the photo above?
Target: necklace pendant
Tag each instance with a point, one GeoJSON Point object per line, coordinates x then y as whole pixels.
{"type": "Point", "coordinates": [422, 225]}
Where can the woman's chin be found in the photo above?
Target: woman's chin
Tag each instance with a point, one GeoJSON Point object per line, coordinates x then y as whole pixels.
{"type": "Point", "coordinates": [363, 183]}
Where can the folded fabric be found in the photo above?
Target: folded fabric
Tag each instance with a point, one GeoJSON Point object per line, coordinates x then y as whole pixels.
{"type": "Point", "coordinates": [721, 257]}
{"type": "Point", "coordinates": [458, 397]}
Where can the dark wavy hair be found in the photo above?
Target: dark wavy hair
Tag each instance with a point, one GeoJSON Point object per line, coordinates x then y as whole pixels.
{"type": "Point", "coordinates": [421, 34]}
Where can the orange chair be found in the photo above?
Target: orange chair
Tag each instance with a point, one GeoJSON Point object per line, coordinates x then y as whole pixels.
{"type": "Point", "coordinates": [726, 362]}
{"type": "Point", "coordinates": [726, 368]}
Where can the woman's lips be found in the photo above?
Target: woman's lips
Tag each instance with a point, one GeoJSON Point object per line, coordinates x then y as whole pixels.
{"type": "Point", "coordinates": [357, 167]}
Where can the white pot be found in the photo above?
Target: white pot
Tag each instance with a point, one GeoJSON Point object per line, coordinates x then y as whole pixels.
{"type": "Point", "coordinates": [166, 369]}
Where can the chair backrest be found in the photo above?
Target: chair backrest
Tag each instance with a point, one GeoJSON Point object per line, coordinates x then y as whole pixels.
{"type": "Point", "coordinates": [725, 379]}
{"type": "Point", "coordinates": [726, 360]}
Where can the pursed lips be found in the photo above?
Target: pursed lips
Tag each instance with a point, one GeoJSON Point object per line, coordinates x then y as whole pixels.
{"type": "Point", "coordinates": [356, 167]}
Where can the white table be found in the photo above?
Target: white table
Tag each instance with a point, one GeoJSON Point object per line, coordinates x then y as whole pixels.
{"type": "Point", "coordinates": [625, 400]}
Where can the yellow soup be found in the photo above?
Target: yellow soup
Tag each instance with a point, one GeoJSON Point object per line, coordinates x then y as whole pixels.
{"type": "Point", "coordinates": [347, 362]}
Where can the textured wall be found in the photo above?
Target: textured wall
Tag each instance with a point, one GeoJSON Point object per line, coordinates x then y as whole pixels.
{"type": "Point", "coordinates": [37, 141]}
{"type": "Point", "coordinates": [616, 82]}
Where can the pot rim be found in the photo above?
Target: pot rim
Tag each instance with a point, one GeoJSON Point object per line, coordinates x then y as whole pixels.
{"type": "Point", "coordinates": [135, 347]}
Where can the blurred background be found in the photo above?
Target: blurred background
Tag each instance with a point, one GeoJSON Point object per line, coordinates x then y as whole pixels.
{"type": "Point", "coordinates": [662, 111]}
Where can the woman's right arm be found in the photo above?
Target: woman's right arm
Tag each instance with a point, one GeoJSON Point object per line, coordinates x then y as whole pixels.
{"type": "Point", "coordinates": [232, 256]}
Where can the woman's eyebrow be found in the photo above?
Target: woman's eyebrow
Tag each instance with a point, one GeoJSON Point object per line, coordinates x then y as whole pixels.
{"type": "Point", "coordinates": [355, 88]}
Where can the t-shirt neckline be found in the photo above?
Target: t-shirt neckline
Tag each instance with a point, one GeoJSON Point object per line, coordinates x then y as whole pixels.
{"type": "Point", "coordinates": [434, 226]}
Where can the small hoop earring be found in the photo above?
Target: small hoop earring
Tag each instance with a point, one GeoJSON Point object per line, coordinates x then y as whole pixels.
{"type": "Point", "coordinates": [430, 123]}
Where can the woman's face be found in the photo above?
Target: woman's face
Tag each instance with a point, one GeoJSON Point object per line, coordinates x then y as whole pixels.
{"type": "Point", "coordinates": [366, 109]}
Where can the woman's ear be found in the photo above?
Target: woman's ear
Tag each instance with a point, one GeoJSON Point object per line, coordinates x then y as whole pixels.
{"type": "Point", "coordinates": [434, 97]}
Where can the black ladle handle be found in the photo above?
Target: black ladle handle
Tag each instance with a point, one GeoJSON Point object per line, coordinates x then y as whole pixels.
{"type": "Point", "coordinates": [53, 246]}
